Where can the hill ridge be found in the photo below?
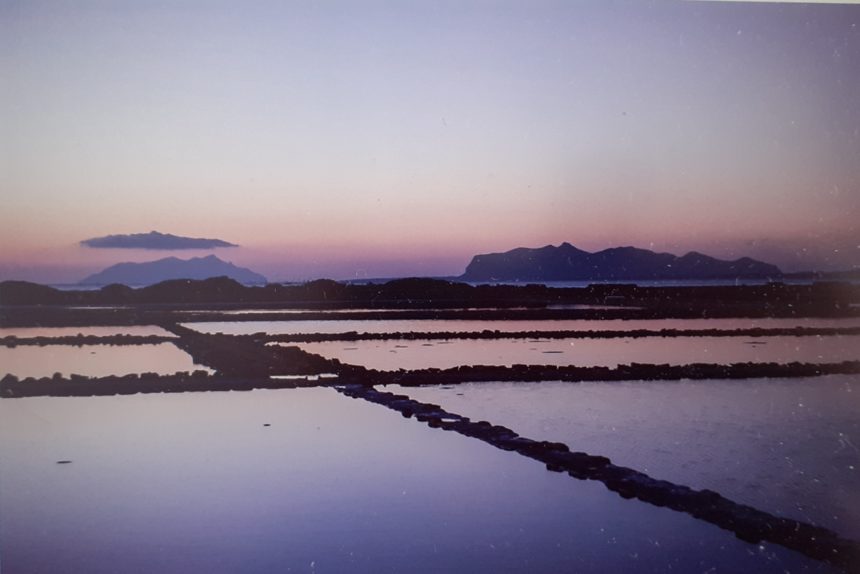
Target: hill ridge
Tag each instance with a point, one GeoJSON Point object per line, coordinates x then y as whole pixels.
{"type": "Point", "coordinates": [168, 268]}
{"type": "Point", "coordinates": [569, 263]}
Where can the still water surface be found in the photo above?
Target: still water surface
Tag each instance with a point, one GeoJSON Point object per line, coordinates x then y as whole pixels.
{"type": "Point", "coordinates": [786, 446]}
{"type": "Point", "coordinates": [342, 310]}
{"type": "Point", "coordinates": [94, 360]}
{"type": "Point", "coordinates": [197, 483]}
{"type": "Point", "coordinates": [452, 325]}
{"type": "Point", "coordinates": [417, 354]}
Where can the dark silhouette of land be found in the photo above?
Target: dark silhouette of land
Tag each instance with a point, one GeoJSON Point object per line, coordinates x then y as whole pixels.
{"type": "Point", "coordinates": [567, 263]}
{"type": "Point", "coordinates": [172, 268]}
{"type": "Point", "coordinates": [848, 275]}
{"type": "Point", "coordinates": [23, 303]}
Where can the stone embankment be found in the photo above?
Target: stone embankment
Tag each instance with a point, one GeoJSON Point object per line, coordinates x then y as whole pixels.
{"type": "Point", "coordinates": [79, 386]}
{"type": "Point", "coordinates": [81, 340]}
{"type": "Point", "coordinates": [747, 523]}
{"type": "Point", "coordinates": [631, 372]}
{"type": "Point", "coordinates": [246, 357]}
{"type": "Point", "coordinates": [566, 334]}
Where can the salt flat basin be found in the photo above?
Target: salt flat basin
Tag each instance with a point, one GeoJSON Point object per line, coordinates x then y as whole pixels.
{"type": "Point", "coordinates": [94, 360]}
{"type": "Point", "coordinates": [435, 325]}
{"type": "Point", "coordinates": [418, 354]}
{"type": "Point", "coordinates": [100, 331]}
{"type": "Point", "coordinates": [293, 311]}
{"type": "Point", "coordinates": [197, 483]}
{"type": "Point", "coordinates": [786, 446]}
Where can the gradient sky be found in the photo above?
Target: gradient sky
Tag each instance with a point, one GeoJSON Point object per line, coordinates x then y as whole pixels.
{"type": "Point", "coordinates": [348, 139]}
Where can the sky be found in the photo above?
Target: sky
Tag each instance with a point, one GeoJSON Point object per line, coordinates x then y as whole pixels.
{"type": "Point", "coordinates": [371, 139]}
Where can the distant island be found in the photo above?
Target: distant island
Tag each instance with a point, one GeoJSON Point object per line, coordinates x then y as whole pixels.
{"type": "Point", "coordinates": [567, 263]}
{"type": "Point", "coordinates": [168, 268]}
{"type": "Point", "coordinates": [155, 241]}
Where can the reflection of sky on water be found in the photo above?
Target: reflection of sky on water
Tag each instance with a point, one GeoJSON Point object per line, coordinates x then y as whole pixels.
{"type": "Point", "coordinates": [137, 330]}
{"type": "Point", "coordinates": [787, 446]}
{"type": "Point", "coordinates": [417, 354]}
{"type": "Point", "coordinates": [294, 311]}
{"type": "Point", "coordinates": [196, 483]}
{"type": "Point", "coordinates": [433, 326]}
{"type": "Point", "coordinates": [94, 360]}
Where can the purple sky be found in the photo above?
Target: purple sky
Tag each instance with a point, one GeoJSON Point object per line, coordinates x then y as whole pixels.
{"type": "Point", "coordinates": [349, 139]}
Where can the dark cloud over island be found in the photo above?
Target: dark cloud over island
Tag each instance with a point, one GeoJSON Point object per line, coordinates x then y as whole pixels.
{"type": "Point", "coordinates": [153, 240]}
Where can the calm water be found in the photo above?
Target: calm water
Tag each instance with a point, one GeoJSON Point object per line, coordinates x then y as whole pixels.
{"type": "Point", "coordinates": [333, 485]}
{"type": "Point", "coordinates": [293, 311]}
{"type": "Point", "coordinates": [94, 360]}
{"type": "Point", "coordinates": [435, 326]}
{"type": "Point", "coordinates": [787, 446]}
{"type": "Point", "coordinates": [395, 354]}
{"type": "Point", "coordinates": [138, 330]}
{"type": "Point", "coordinates": [257, 311]}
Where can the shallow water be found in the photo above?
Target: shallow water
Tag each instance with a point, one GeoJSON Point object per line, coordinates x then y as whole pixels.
{"type": "Point", "coordinates": [417, 354]}
{"type": "Point", "coordinates": [94, 360]}
{"type": "Point", "coordinates": [137, 330]}
{"type": "Point", "coordinates": [786, 446]}
{"type": "Point", "coordinates": [434, 326]}
{"type": "Point", "coordinates": [293, 311]}
{"type": "Point", "coordinates": [333, 485]}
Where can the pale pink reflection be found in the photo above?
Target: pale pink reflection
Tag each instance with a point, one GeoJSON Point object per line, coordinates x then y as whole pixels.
{"type": "Point", "coordinates": [396, 354]}
{"type": "Point", "coordinates": [434, 326]}
{"type": "Point", "coordinates": [94, 360]}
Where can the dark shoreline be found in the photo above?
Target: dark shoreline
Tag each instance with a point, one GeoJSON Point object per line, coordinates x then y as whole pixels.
{"type": "Point", "coordinates": [64, 316]}
{"type": "Point", "coordinates": [83, 340]}
{"type": "Point", "coordinates": [487, 334]}
{"type": "Point", "coordinates": [22, 303]}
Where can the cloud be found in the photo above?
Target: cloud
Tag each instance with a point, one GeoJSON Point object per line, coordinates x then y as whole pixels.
{"type": "Point", "coordinates": [153, 240]}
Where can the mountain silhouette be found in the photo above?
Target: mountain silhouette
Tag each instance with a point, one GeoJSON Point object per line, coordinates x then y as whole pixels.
{"type": "Point", "coordinates": [567, 263]}
{"type": "Point", "coordinates": [172, 268]}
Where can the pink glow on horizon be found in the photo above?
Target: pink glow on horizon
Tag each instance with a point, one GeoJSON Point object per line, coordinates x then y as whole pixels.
{"type": "Point", "coordinates": [340, 140]}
